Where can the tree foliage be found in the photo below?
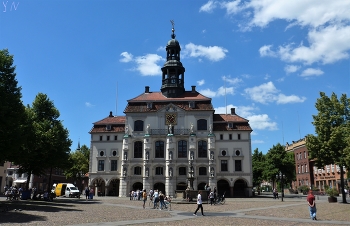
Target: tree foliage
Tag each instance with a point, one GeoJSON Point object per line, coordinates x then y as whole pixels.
{"type": "Point", "coordinates": [258, 166]}
{"type": "Point", "coordinates": [12, 112]}
{"type": "Point", "coordinates": [331, 144]}
{"type": "Point", "coordinates": [79, 163]}
{"type": "Point", "coordinates": [278, 160]}
{"type": "Point", "coordinates": [47, 143]}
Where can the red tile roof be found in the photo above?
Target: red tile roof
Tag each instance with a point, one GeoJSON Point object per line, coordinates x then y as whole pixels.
{"type": "Point", "coordinates": [156, 106]}
{"type": "Point", "coordinates": [111, 120]}
{"type": "Point", "coordinates": [228, 118]}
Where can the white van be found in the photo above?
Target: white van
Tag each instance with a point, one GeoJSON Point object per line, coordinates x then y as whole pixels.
{"type": "Point", "coordinates": [66, 189]}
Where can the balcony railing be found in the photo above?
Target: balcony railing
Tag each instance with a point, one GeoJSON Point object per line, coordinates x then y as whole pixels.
{"type": "Point", "coordinates": [166, 132]}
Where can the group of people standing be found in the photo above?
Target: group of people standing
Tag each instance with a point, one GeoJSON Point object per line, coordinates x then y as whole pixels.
{"type": "Point", "coordinates": [89, 193]}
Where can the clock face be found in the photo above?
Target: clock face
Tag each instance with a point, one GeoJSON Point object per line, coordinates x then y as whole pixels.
{"type": "Point", "coordinates": [170, 119]}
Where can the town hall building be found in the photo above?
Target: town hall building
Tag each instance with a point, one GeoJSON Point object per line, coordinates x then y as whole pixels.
{"type": "Point", "coordinates": [171, 140]}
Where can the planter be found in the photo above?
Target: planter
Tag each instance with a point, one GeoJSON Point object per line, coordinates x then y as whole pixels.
{"type": "Point", "coordinates": [332, 199]}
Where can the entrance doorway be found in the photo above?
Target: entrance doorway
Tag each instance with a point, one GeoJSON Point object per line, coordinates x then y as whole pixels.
{"type": "Point", "coordinates": [223, 188]}
{"type": "Point", "coordinates": [239, 188]}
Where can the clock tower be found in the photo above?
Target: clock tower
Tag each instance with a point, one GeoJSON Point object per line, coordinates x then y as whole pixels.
{"type": "Point", "coordinates": [173, 73]}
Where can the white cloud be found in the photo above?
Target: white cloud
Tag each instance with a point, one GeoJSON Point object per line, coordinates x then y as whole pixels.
{"type": "Point", "coordinates": [267, 92]}
{"type": "Point", "coordinates": [207, 93]}
{"type": "Point", "coordinates": [258, 141]}
{"type": "Point", "coordinates": [89, 105]}
{"type": "Point", "coordinates": [291, 68]}
{"type": "Point", "coordinates": [311, 72]}
{"type": "Point", "coordinates": [208, 7]}
{"type": "Point", "coordinates": [266, 51]}
{"type": "Point", "coordinates": [220, 92]}
{"type": "Point", "coordinates": [327, 45]}
{"type": "Point", "coordinates": [147, 65]}
{"type": "Point", "coordinates": [256, 121]}
{"type": "Point", "coordinates": [204, 31]}
{"type": "Point", "coordinates": [267, 76]}
{"type": "Point", "coordinates": [212, 53]}
{"type": "Point", "coordinates": [327, 23]}
{"type": "Point", "coordinates": [232, 7]}
{"type": "Point", "coordinates": [232, 81]}
{"type": "Point", "coordinates": [200, 82]}
{"type": "Point", "coordinates": [127, 57]}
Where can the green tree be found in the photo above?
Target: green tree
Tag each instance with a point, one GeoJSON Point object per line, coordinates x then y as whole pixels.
{"type": "Point", "coordinates": [79, 163]}
{"type": "Point", "coordinates": [47, 145]}
{"type": "Point", "coordinates": [331, 144]}
{"type": "Point", "coordinates": [278, 160]}
{"type": "Point", "coordinates": [258, 166]}
{"type": "Point", "coordinates": [12, 111]}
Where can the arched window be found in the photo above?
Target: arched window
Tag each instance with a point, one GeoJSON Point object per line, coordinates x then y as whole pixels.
{"type": "Point", "coordinates": [202, 149]}
{"type": "Point", "coordinates": [137, 170]}
{"type": "Point", "coordinates": [202, 124]}
{"type": "Point", "coordinates": [138, 149]}
{"type": "Point", "coordinates": [182, 149]}
{"type": "Point", "coordinates": [138, 125]}
{"type": "Point", "coordinates": [159, 149]}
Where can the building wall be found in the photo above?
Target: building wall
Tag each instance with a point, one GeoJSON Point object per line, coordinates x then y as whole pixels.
{"type": "Point", "coordinates": [236, 149]}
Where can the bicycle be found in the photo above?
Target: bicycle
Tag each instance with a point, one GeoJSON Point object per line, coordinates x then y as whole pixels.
{"type": "Point", "coordinates": [221, 200]}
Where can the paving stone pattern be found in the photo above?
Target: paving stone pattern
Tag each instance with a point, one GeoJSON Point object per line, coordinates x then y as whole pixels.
{"type": "Point", "coordinates": [121, 211]}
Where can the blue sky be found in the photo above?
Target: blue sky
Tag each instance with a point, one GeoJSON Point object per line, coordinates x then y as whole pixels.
{"type": "Point", "coordinates": [272, 57]}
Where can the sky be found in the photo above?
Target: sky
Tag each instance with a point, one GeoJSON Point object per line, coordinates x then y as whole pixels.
{"type": "Point", "coordinates": [269, 59]}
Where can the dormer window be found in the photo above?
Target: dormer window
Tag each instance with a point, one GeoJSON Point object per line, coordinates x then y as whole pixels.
{"type": "Point", "coordinates": [230, 125]}
{"type": "Point", "coordinates": [108, 127]}
{"type": "Point", "coordinates": [191, 104]}
{"type": "Point", "coordinates": [149, 105]}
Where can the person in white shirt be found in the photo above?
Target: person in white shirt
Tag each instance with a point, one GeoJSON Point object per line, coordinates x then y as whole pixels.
{"type": "Point", "coordinates": [156, 198]}
{"type": "Point", "coordinates": [199, 204]}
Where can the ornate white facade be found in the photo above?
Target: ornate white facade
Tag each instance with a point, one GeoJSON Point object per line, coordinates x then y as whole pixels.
{"type": "Point", "coordinates": [168, 138]}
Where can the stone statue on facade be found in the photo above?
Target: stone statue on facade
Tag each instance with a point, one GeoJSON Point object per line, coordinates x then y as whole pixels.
{"type": "Point", "coordinates": [170, 172]}
{"type": "Point", "coordinates": [210, 128]}
{"type": "Point", "coordinates": [170, 155]}
{"type": "Point", "coordinates": [170, 129]}
{"type": "Point", "coordinates": [147, 155]}
{"type": "Point", "coordinates": [148, 129]}
{"type": "Point", "coordinates": [191, 128]}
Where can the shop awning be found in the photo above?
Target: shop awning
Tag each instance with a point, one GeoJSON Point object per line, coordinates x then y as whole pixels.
{"type": "Point", "coordinates": [18, 181]}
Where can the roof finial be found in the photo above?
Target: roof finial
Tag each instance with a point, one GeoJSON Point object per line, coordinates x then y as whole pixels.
{"type": "Point", "coordinates": [173, 30]}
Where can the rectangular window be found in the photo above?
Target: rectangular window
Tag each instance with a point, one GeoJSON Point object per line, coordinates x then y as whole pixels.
{"type": "Point", "coordinates": [202, 171]}
{"type": "Point", "coordinates": [100, 138]}
{"type": "Point", "coordinates": [114, 165]}
{"type": "Point", "coordinates": [182, 171]}
{"type": "Point", "coordinates": [137, 170]}
{"type": "Point", "coordinates": [230, 136]}
{"type": "Point", "coordinates": [221, 136]}
{"type": "Point", "coordinates": [159, 170]}
{"type": "Point", "coordinates": [224, 165]}
{"type": "Point", "coordinates": [304, 154]}
{"type": "Point", "coordinates": [107, 137]}
{"type": "Point", "coordinates": [115, 137]}
{"type": "Point", "coordinates": [101, 165]}
{"type": "Point", "coordinates": [239, 136]}
{"type": "Point", "coordinates": [238, 165]}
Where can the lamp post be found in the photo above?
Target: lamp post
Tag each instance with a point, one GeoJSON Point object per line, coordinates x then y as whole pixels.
{"type": "Point", "coordinates": [280, 176]}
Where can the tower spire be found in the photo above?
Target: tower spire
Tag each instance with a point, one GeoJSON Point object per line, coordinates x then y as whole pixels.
{"type": "Point", "coordinates": [173, 29]}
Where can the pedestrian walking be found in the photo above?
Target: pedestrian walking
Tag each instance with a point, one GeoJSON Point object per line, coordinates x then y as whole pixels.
{"type": "Point", "coordinates": [199, 204]}
{"type": "Point", "coordinates": [91, 193]}
{"type": "Point", "coordinates": [87, 193]}
{"type": "Point", "coordinates": [144, 196]}
{"type": "Point", "coordinates": [211, 197]}
{"type": "Point", "coordinates": [312, 205]}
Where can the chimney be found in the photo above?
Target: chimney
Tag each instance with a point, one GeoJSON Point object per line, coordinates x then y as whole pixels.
{"type": "Point", "coordinates": [146, 89]}
{"type": "Point", "coordinates": [233, 111]}
{"type": "Point", "coordinates": [110, 114]}
{"type": "Point", "coordinates": [193, 89]}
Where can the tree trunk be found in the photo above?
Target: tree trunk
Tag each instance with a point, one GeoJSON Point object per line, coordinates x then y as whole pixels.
{"type": "Point", "coordinates": [342, 184]}
{"type": "Point", "coordinates": [28, 180]}
{"type": "Point", "coordinates": [49, 185]}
